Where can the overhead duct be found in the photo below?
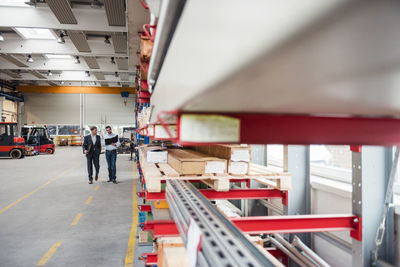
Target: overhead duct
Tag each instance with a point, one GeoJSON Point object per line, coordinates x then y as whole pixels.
{"type": "Point", "coordinates": [52, 83]}
{"type": "Point", "coordinates": [104, 84]}
{"type": "Point", "coordinates": [115, 11]}
{"type": "Point", "coordinates": [62, 10]}
{"type": "Point", "coordinates": [99, 75]}
{"type": "Point", "coordinates": [120, 43]}
{"type": "Point", "coordinates": [36, 74]}
{"type": "Point", "coordinates": [122, 63]}
{"type": "Point", "coordinates": [13, 60]}
{"type": "Point", "coordinates": [11, 74]}
{"type": "Point", "coordinates": [92, 62]}
{"type": "Point", "coordinates": [124, 76]}
{"type": "Point", "coordinates": [79, 40]}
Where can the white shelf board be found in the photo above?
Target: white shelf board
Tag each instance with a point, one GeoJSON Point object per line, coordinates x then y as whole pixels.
{"type": "Point", "coordinates": [298, 57]}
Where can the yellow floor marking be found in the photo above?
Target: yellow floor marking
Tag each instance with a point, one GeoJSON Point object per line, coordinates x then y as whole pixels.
{"type": "Point", "coordinates": [48, 254]}
{"type": "Point", "coordinates": [132, 237]}
{"type": "Point", "coordinates": [96, 188]}
{"type": "Point", "coordinates": [89, 200]}
{"type": "Point", "coordinates": [76, 219]}
{"type": "Point", "coordinates": [37, 189]}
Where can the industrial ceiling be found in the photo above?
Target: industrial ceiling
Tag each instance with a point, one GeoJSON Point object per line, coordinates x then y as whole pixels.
{"type": "Point", "coordinates": [70, 42]}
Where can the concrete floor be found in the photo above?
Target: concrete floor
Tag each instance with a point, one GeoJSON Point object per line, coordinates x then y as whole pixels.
{"type": "Point", "coordinates": [60, 190]}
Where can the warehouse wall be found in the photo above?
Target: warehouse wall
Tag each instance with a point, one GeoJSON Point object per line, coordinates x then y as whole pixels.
{"type": "Point", "coordinates": [64, 109]}
{"type": "Point", "coordinates": [109, 108]}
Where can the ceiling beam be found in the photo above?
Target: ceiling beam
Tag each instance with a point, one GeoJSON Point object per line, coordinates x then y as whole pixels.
{"type": "Point", "coordinates": [22, 46]}
{"type": "Point", "coordinates": [43, 17]}
{"type": "Point", "coordinates": [67, 76]}
{"type": "Point", "coordinates": [74, 89]}
{"type": "Point", "coordinates": [44, 64]}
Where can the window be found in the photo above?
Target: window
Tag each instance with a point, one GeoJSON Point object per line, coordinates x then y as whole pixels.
{"type": "Point", "coordinates": [3, 130]}
{"type": "Point", "coordinates": [36, 33]}
{"type": "Point", "coordinates": [16, 3]}
{"type": "Point", "coordinates": [275, 155]}
{"type": "Point", "coordinates": [332, 162]}
{"type": "Point", "coordinates": [15, 130]}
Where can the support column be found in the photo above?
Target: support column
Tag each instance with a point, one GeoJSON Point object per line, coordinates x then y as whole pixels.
{"type": "Point", "coordinates": [371, 169]}
{"type": "Point", "coordinates": [20, 106]}
{"type": "Point", "coordinates": [1, 108]}
{"type": "Point", "coordinates": [297, 162]}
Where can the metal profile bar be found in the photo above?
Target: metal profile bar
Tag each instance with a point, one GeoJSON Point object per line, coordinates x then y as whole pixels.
{"type": "Point", "coordinates": [233, 194]}
{"type": "Point", "coordinates": [219, 242]}
{"type": "Point", "coordinates": [275, 224]}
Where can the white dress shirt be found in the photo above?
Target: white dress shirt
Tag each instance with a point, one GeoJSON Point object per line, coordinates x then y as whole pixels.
{"type": "Point", "coordinates": [94, 138]}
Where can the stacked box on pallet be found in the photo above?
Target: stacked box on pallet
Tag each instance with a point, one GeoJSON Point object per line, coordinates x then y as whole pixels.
{"type": "Point", "coordinates": [238, 156]}
{"type": "Point", "coordinates": [189, 162]}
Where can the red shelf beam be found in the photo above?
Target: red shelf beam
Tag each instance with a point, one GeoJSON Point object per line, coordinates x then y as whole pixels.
{"type": "Point", "coordinates": [233, 194]}
{"type": "Point", "coordinates": [275, 224]}
{"type": "Point", "coordinates": [303, 130]}
{"type": "Point", "coordinates": [149, 259]}
{"type": "Point", "coordinates": [279, 255]}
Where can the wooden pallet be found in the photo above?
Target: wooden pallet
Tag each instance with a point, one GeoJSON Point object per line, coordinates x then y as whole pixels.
{"type": "Point", "coordinates": [155, 173]}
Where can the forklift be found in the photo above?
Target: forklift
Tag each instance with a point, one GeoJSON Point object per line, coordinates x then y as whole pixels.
{"type": "Point", "coordinates": [38, 137]}
{"type": "Point", "coordinates": [10, 144]}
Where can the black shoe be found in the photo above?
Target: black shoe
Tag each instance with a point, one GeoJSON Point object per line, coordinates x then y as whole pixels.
{"type": "Point", "coordinates": [115, 181]}
{"type": "Point", "coordinates": [109, 181]}
{"type": "Point", "coordinates": [90, 182]}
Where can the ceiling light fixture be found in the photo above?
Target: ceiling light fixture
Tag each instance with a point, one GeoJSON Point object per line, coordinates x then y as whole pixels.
{"type": "Point", "coordinates": [76, 60]}
{"type": "Point", "coordinates": [61, 39]}
{"type": "Point", "coordinates": [94, 83]}
{"type": "Point", "coordinates": [87, 73]}
{"type": "Point", "coordinates": [49, 73]}
{"type": "Point", "coordinates": [29, 59]}
{"type": "Point", "coordinates": [107, 40]}
{"type": "Point", "coordinates": [116, 74]}
{"type": "Point", "coordinates": [62, 82]}
{"type": "Point", "coordinates": [1, 37]}
{"type": "Point", "coordinates": [95, 4]}
{"type": "Point", "coordinates": [112, 60]}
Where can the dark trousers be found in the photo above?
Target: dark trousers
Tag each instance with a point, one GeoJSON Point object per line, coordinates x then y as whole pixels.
{"type": "Point", "coordinates": [93, 159]}
{"type": "Point", "coordinates": [111, 157]}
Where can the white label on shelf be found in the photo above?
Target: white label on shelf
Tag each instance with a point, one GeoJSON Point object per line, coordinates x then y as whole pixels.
{"type": "Point", "coordinates": [160, 132]}
{"type": "Point", "coordinates": [240, 155]}
{"type": "Point", "coordinates": [150, 130]}
{"type": "Point", "coordinates": [209, 128]}
{"type": "Point", "coordinates": [193, 240]}
{"type": "Point", "coordinates": [157, 156]}
{"type": "Point", "coordinates": [238, 167]}
{"type": "Point", "coordinates": [215, 167]}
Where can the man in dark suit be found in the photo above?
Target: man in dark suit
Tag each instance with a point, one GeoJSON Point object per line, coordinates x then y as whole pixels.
{"type": "Point", "coordinates": [92, 149]}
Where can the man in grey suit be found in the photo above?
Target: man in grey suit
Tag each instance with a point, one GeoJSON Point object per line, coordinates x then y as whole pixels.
{"type": "Point", "coordinates": [92, 149]}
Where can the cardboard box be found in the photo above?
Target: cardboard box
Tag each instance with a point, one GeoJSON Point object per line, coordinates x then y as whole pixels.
{"type": "Point", "coordinates": [229, 152]}
{"type": "Point", "coordinates": [186, 162]}
{"type": "Point", "coordinates": [238, 167]}
{"type": "Point", "coordinates": [157, 156]}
